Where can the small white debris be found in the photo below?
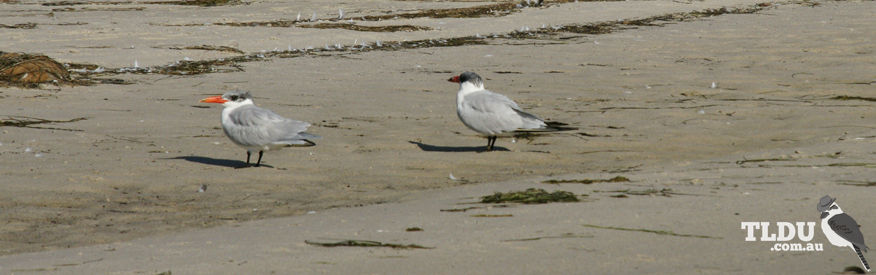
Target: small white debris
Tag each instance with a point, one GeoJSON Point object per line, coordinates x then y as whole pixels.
{"type": "Point", "coordinates": [313, 18]}
{"type": "Point", "coordinates": [132, 46]}
{"type": "Point", "coordinates": [380, 231]}
{"type": "Point", "coordinates": [628, 92]}
{"type": "Point", "coordinates": [714, 85]}
{"type": "Point", "coordinates": [298, 18]}
{"type": "Point", "coordinates": [28, 150]}
{"type": "Point", "coordinates": [216, 143]}
{"type": "Point", "coordinates": [513, 140]}
{"type": "Point", "coordinates": [187, 58]}
{"type": "Point", "coordinates": [701, 111]}
{"type": "Point", "coordinates": [595, 42]}
{"type": "Point", "coordinates": [38, 155]}
{"type": "Point", "coordinates": [378, 44]}
{"type": "Point", "coordinates": [478, 35]}
{"type": "Point", "coordinates": [289, 48]}
{"type": "Point", "coordinates": [489, 55]}
{"type": "Point", "coordinates": [255, 209]}
{"type": "Point", "coordinates": [311, 212]}
{"type": "Point", "coordinates": [136, 64]}
{"type": "Point", "coordinates": [340, 14]}
{"type": "Point", "coordinates": [647, 86]}
{"type": "Point", "coordinates": [452, 177]}
{"type": "Point", "coordinates": [202, 189]}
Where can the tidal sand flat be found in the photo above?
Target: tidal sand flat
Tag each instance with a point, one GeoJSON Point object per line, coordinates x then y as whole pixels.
{"type": "Point", "coordinates": [715, 112]}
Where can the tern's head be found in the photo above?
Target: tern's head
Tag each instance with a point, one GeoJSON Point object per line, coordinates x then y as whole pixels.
{"type": "Point", "coordinates": [233, 98]}
{"type": "Point", "coordinates": [468, 80]}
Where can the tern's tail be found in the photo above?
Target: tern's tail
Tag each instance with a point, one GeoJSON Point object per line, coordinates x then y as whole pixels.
{"type": "Point", "coordinates": [300, 140]}
{"type": "Point", "coordinates": [861, 257]}
{"type": "Point", "coordinates": [551, 126]}
{"type": "Point", "coordinates": [559, 126]}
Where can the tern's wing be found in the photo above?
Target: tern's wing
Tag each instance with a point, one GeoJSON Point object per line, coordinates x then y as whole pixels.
{"type": "Point", "coordinates": [251, 125]}
{"type": "Point", "coordinates": [502, 111]}
{"type": "Point", "coordinates": [845, 226]}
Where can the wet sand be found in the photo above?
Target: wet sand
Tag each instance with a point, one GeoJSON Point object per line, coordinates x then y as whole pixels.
{"type": "Point", "coordinates": [790, 119]}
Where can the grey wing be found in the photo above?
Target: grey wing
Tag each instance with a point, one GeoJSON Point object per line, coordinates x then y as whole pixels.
{"type": "Point", "coordinates": [502, 112]}
{"type": "Point", "coordinates": [845, 226]}
{"type": "Point", "coordinates": [258, 126]}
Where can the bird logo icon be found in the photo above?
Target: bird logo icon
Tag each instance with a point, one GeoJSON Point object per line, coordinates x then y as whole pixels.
{"type": "Point", "coordinates": [841, 229]}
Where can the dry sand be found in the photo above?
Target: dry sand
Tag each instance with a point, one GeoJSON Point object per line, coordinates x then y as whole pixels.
{"type": "Point", "coordinates": [790, 120]}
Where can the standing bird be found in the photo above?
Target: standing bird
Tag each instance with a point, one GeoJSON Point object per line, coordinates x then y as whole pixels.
{"type": "Point", "coordinates": [258, 129]}
{"type": "Point", "coordinates": [840, 229]}
{"type": "Point", "coordinates": [492, 114]}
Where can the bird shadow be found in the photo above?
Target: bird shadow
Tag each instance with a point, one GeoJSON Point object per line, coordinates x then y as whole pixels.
{"type": "Point", "coordinates": [436, 148]}
{"type": "Point", "coordinates": [218, 162]}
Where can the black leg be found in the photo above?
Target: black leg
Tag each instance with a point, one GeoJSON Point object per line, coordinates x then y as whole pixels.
{"type": "Point", "coordinates": [247, 158]}
{"type": "Point", "coordinates": [260, 158]}
{"type": "Point", "coordinates": [490, 142]}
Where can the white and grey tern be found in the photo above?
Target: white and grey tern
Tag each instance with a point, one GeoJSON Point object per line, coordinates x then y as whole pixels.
{"type": "Point", "coordinates": [493, 114]}
{"type": "Point", "coordinates": [258, 129]}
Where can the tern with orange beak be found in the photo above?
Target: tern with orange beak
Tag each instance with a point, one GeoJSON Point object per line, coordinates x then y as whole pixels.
{"type": "Point", "coordinates": [258, 129]}
{"type": "Point", "coordinates": [492, 114]}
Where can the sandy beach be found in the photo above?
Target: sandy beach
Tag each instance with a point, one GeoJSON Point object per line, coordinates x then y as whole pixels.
{"type": "Point", "coordinates": [717, 113]}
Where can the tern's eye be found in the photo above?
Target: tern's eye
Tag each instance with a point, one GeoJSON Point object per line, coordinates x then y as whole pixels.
{"type": "Point", "coordinates": [233, 98]}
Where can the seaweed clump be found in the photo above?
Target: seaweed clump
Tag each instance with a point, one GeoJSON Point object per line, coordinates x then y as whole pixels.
{"type": "Point", "coordinates": [366, 243]}
{"type": "Point", "coordinates": [202, 3]}
{"type": "Point", "coordinates": [530, 196]}
{"type": "Point", "coordinates": [29, 70]}
{"type": "Point", "coordinates": [361, 28]}
{"type": "Point", "coordinates": [589, 181]}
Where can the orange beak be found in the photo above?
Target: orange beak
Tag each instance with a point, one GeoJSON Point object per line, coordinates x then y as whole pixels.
{"type": "Point", "coordinates": [454, 79]}
{"type": "Point", "coordinates": [214, 99]}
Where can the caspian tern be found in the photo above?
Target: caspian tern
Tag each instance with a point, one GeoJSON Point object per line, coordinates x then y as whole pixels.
{"type": "Point", "coordinates": [492, 114]}
{"type": "Point", "coordinates": [258, 129]}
